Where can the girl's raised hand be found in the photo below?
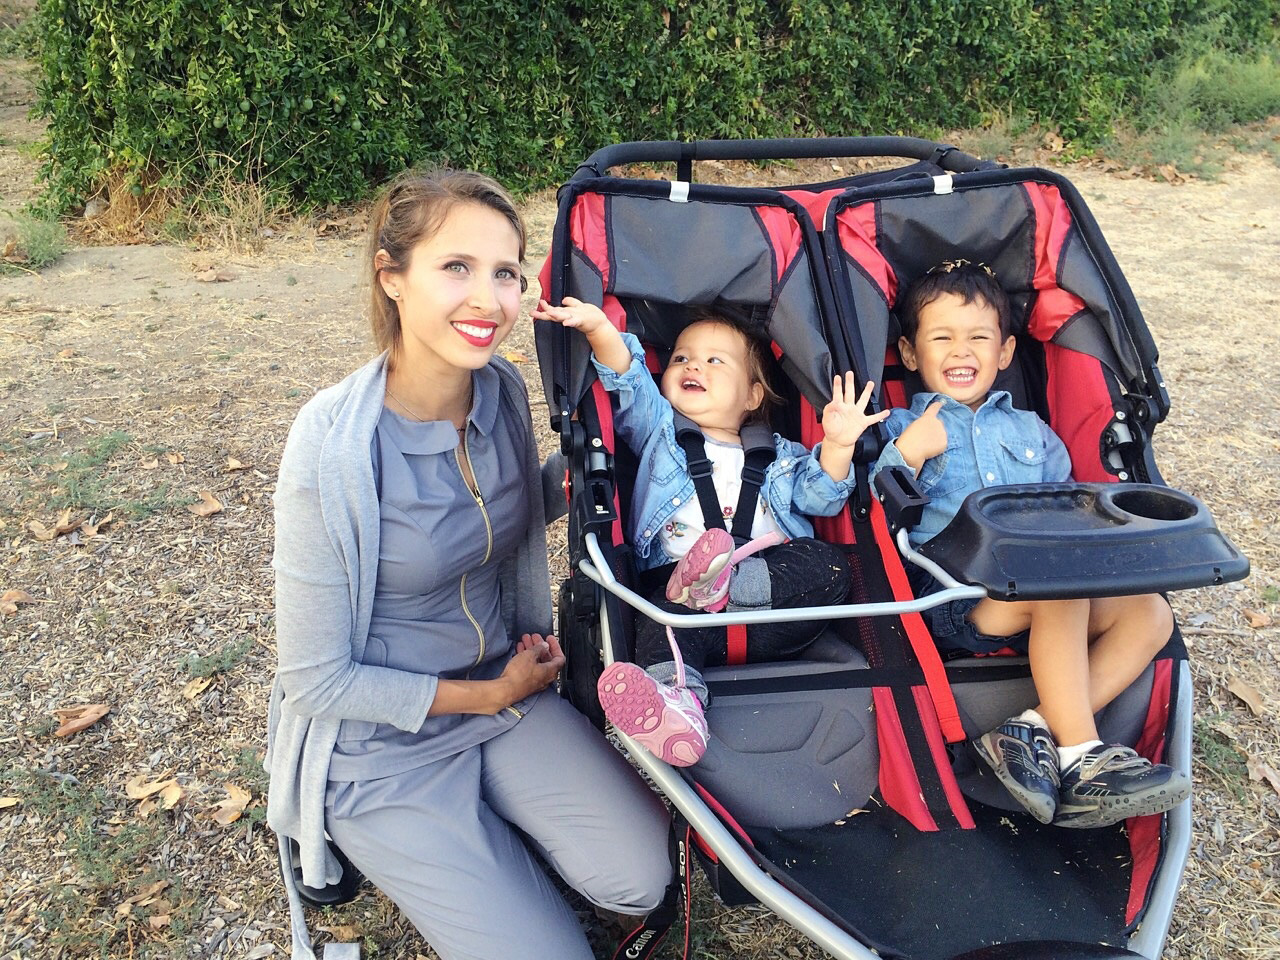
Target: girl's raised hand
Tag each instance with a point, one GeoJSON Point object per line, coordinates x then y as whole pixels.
{"type": "Point", "coordinates": [573, 313]}
{"type": "Point", "coordinates": [844, 418]}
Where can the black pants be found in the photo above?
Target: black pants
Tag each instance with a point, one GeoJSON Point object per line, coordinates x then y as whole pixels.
{"type": "Point", "coordinates": [802, 573]}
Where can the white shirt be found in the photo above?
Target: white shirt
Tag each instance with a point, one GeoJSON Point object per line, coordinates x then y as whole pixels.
{"type": "Point", "coordinates": [686, 524]}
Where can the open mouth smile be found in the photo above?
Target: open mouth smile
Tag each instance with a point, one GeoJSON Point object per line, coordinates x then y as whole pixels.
{"type": "Point", "coordinates": [692, 385]}
{"type": "Point", "coordinates": [960, 376]}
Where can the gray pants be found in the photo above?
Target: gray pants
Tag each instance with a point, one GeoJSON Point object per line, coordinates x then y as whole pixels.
{"type": "Point", "coordinates": [449, 842]}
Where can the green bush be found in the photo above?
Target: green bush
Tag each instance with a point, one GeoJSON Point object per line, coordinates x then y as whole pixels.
{"type": "Point", "coordinates": [320, 98]}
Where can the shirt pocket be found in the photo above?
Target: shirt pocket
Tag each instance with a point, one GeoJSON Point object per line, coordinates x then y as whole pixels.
{"type": "Point", "coordinates": [936, 481]}
{"type": "Point", "coordinates": [1023, 459]}
{"type": "Point", "coordinates": [662, 463]}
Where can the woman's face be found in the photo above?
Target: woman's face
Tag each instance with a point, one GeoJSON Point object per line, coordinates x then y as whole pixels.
{"type": "Point", "coordinates": [459, 294]}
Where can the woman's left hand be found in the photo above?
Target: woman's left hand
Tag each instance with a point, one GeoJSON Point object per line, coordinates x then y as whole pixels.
{"type": "Point", "coordinates": [536, 664]}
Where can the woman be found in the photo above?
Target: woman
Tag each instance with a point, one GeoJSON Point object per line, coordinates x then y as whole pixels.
{"type": "Point", "coordinates": [407, 720]}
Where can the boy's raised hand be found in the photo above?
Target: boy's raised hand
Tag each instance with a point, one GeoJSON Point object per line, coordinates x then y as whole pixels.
{"type": "Point", "coordinates": [844, 419]}
{"type": "Point", "coordinates": [926, 437]}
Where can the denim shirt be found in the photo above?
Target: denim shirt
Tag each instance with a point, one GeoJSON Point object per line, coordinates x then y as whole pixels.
{"type": "Point", "coordinates": [794, 484]}
{"type": "Point", "coordinates": [996, 444]}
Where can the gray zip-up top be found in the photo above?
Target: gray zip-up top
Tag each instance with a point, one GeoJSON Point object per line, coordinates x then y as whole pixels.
{"type": "Point", "coordinates": [326, 565]}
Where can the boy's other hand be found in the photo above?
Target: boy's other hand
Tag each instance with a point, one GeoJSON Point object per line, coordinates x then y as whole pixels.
{"type": "Point", "coordinates": [925, 438]}
{"type": "Point", "coordinates": [844, 419]}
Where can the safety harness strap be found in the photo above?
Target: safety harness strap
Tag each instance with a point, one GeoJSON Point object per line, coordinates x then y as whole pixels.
{"type": "Point", "coordinates": [758, 452]}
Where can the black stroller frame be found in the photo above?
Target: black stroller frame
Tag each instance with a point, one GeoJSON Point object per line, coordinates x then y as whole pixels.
{"type": "Point", "coordinates": [917, 868]}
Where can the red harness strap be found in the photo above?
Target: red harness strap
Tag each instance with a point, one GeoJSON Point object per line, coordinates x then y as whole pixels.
{"type": "Point", "coordinates": [737, 644]}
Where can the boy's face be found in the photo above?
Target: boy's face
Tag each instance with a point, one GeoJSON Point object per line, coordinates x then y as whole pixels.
{"type": "Point", "coordinates": [708, 378]}
{"type": "Point", "coordinates": [958, 349]}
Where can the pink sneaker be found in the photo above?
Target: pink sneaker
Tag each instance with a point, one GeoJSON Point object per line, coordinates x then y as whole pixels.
{"type": "Point", "coordinates": [698, 569]}
{"type": "Point", "coordinates": [666, 721]}
{"type": "Point", "coordinates": [711, 592]}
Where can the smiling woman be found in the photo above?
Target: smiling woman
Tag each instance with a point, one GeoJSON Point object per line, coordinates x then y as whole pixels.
{"type": "Point", "coordinates": [411, 722]}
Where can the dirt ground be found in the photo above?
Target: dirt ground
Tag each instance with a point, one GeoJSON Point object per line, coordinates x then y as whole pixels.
{"type": "Point", "coordinates": [131, 387]}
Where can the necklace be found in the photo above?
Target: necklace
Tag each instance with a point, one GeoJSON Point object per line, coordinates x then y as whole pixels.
{"type": "Point", "coordinates": [409, 410]}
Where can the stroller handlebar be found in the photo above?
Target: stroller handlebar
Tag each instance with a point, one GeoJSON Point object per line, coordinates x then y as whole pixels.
{"type": "Point", "coordinates": [598, 570]}
{"type": "Point", "coordinates": [684, 153]}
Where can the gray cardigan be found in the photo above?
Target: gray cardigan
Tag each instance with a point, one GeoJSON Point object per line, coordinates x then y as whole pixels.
{"type": "Point", "coordinates": [326, 564]}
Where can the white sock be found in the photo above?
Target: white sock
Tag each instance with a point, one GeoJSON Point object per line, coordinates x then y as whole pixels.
{"type": "Point", "coordinates": [1069, 756]}
{"type": "Point", "coordinates": [1031, 716]}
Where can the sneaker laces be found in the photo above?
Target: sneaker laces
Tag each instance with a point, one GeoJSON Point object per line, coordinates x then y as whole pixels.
{"type": "Point", "coordinates": [676, 656]}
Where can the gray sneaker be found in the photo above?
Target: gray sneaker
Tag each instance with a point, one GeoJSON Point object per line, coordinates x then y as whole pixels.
{"type": "Point", "coordinates": [1113, 783]}
{"type": "Point", "coordinates": [1023, 757]}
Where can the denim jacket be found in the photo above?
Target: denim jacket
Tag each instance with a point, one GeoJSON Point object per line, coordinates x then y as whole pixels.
{"type": "Point", "coordinates": [794, 484]}
{"type": "Point", "coordinates": [996, 444]}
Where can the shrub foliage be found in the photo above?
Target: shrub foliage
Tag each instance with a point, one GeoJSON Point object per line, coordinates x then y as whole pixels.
{"type": "Point", "coordinates": [320, 98]}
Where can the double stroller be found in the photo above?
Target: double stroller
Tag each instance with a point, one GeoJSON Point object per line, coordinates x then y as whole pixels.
{"type": "Point", "coordinates": [839, 788]}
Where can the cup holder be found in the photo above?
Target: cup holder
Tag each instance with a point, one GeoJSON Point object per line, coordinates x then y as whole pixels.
{"type": "Point", "coordinates": [1154, 504]}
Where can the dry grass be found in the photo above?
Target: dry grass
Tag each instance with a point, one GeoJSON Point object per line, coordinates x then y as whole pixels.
{"type": "Point", "coordinates": [126, 387]}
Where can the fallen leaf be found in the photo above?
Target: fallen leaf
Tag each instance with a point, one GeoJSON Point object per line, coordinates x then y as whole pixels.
{"type": "Point", "coordinates": [40, 531]}
{"type": "Point", "coordinates": [216, 275]}
{"type": "Point", "coordinates": [343, 932]}
{"type": "Point", "coordinates": [1053, 142]}
{"type": "Point", "coordinates": [196, 686]}
{"type": "Point", "coordinates": [149, 464]}
{"type": "Point", "coordinates": [75, 719]}
{"type": "Point", "coordinates": [233, 465]}
{"type": "Point", "coordinates": [230, 809]}
{"type": "Point", "coordinates": [1170, 173]}
{"type": "Point", "coordinates": [159, 922]}
{"type": "Point", "coordinates": [1257, 619]}
{"type": "Point", "coordinates": [147, 807]}
{"type": "Point", "coordinates": [516, 356]}
{"type": "Point", "coordinates": [7, 802]}
{"type": "Point", "coordinates": [66, 354]}
{"type": "Point", "coordinates": [139, 788]}
{"type": "Point", "coordinates": [59, 466]}
{"type": "Point", "coordinates": [91, 529]}
{"type": "Point", "coordinates": [65, 523]}
{"type": "Point", "coordinates": [1247, 693]}
{"type": "Point", "coordinates": [170, 794]}
{"type": "Point", "coordinates": [143, 896]}
{"type": "Point", "coordinates": [207, 506]}
{"type": "Point", "coordinates": [1260, 771]}
{"type": "Point", "coordinates": [10, 599]}
{"type": "Point", "coordinates": [175, 457]}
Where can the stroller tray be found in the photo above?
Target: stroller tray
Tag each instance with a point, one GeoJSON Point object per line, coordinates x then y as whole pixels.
{"type": "Point", "coordinates": [1061, 540]}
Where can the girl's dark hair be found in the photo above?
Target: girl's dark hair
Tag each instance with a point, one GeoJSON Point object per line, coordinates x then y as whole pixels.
{"type": "Point", "coordinates": [412, 208]}
{"type": "Point", "coordinates": [966, 280]}
{"type": "Point", "coordinates": [757, 360]}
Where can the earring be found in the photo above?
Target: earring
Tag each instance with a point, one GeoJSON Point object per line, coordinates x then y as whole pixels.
{"type": "Point", "coordinates": [395, 294]}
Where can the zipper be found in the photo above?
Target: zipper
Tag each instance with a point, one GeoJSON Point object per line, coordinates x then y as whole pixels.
{"type": "Point", "coordinates": [488, 529]}
{"type": "Point", "coordinates": [518, 714]}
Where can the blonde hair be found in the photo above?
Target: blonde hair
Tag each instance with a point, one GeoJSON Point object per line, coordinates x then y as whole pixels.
{"type": "Point", "coordinates": [412, 208]}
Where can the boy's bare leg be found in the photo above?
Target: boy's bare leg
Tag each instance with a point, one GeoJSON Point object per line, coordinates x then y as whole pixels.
{"type": "Point", "coordinates": [1126, 633]}
{"type": "Point", "coordinates": [1059, 654]}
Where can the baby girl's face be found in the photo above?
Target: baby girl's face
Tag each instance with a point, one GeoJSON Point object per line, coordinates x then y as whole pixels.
{"type": "Point", "coordinates": [709, 379]}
